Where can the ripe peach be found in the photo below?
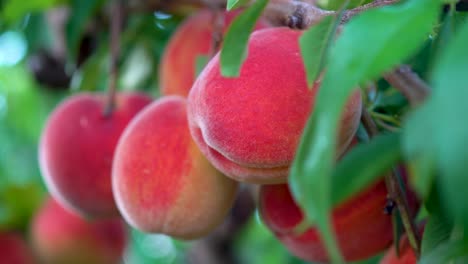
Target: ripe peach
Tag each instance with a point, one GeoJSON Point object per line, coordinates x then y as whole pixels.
{"type": "Point", "coordinates": [361, 227]}
{"type": "Point", "coordinates": [14, 250]}
{"type": "Point", "coordinates": [77, 148]}
{"type": "Point", "coordinates": [193, 38]}
{"type": "Point", "coordinates": [60, 237]}
{"type": "Point", "coordinates": [161, 181]}
{"type": "Point", "coordinates": [249, 127]}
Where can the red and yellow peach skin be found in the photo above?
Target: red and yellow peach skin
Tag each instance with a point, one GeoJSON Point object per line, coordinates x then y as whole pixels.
{"type": "Point", "coordinates": [192, 39]}
{"type": "Point", "coordinates": [162, 183]}
{"type": "Point", "coordinates": [249, 127]}
{"type": "Point", "coordinates": [77, 147]}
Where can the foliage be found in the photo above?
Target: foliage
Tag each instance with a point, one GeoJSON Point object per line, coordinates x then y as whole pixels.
{"type": "Point", "coordinates": [430, 138]}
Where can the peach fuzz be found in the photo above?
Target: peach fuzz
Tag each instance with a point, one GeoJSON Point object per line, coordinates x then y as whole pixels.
{"type": "Point", "coordinates": [162, 183]}
{"type": "Point", "coordinates": [249, 127]}
{"type": "Point", "coordinates": [193, 38]}
{"type": "Point", "coordinates": [77, 147]}
{"type": "Point", "coordinates": [14, 250]}
{"type": "Point", "coordinates": [61, 237]}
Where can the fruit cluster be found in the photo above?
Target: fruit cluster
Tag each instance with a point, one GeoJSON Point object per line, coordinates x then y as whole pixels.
{"type": "Point", "coordinates": [173, 166]}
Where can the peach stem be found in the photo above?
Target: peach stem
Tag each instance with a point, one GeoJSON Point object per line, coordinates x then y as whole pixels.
{"type": "Point", "coordinates": [395, 190]}
{"type": "Point", "coordinates": [116, 25]}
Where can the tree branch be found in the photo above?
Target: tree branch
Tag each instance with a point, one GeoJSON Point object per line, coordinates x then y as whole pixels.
{"type": "Point", "coordinates": [352, 12]}
{"type": "Point", "coordinates": [295, 14]}
{"type": "Point", "coordinates": [409, 84]}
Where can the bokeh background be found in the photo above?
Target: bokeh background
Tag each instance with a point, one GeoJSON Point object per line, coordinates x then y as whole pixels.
{"type": "Point", "coordinates": [51, 49]}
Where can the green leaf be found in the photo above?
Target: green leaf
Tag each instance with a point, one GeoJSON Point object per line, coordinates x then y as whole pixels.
{"type": "Point", "coordinates": [14, 9]}
{"type": "Point", "coordinates": [437, 231]}
{"type": "Point", "coordinates": [445, 252]}
{"type": "Point", "coordinates": [314, 45]}
{"type": "Point", "coordinates": [361, 53]}
{"type": "Point", "coordinates": [82, 11]}
{"type": "Point", "coordinates": [383, 150]}
{"type": "Point", "coordinates": [448, 105]}
{"type": "Point", "coordinates": [90, 76]}
{"type": "Point", "coordinates": [234, 49]}
{"type": "Point", "coordinates": [418, 151]}
{"type": "Point", "coordinates": [233, 4]}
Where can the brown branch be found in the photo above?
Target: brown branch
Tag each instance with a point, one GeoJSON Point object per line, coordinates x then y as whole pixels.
{"type": "Point", "coordinates": [352, 12]}
{"type": "Point", "coordinates": [217, 35]}
{"type": "Point", "coordinates": [395, 191]}
{"type": "Point", "coordinates": [116, 25]}
{"type": "Point", "coordinates": [409, 84]}
{"type": "Point", "coordinates": [292, 13]}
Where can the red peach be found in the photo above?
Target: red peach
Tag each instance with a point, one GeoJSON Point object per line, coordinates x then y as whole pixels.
{"type": "Point", "coordinates": [77, 147]}
{"type": "Point", "coordinates": [60, 237]}
{"type": "Point", "coordinates": [162, 183]}
{"type": "Point", "coordinates": [361, 227]}
{"type": "Point", "coordinates": [192, 39]}
{"type": "Point", "coordinates": [14, 250]}
{"type": "Point", "coordinates": [249, 127]}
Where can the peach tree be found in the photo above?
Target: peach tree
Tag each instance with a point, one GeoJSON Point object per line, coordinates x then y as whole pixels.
{"type": "Point", "coordinates": [338, 123]}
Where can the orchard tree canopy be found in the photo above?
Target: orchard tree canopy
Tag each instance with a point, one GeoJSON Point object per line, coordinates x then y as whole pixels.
{"type": "Point", "coordinates": [233, 131]}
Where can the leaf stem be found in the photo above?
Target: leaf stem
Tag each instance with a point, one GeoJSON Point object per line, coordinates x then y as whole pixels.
{"type": "Point", "coordinates": [386, 118]}
{"type": "Point", "coordinates": [395, 191]}
{"type": "Point", "coordinates": [116, 24]}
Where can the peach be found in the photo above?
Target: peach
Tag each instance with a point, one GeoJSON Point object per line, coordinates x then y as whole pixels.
{"type": "Point", "coordinates": [192, 39]}
{"type": "Point", "coordinates": [249, 127]}
{"type": "Point", "coordinates": [14, 250]}
{"type": "Point", "coordinates": [60, 237]}
{"type": "Point", "coordinates": [361, 227]}
{"type": "Point", "coordinates": [77, 147]}
{"type": "Point", "coordinates": [162, 183]}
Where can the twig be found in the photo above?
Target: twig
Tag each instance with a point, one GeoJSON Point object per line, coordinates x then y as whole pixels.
{"type": "Point", "coordinates": [352, 12]}
{"type": "Point", "coordinates": [292, 13]}
{"type": "Point", "coordinates": [409, 84]}
{"type": "Point", "coordinates": [217, 35]}
{"type": "Point", "coordinates": [116, 25]}
{"type": "Point", "coordinates": [395, 191]}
